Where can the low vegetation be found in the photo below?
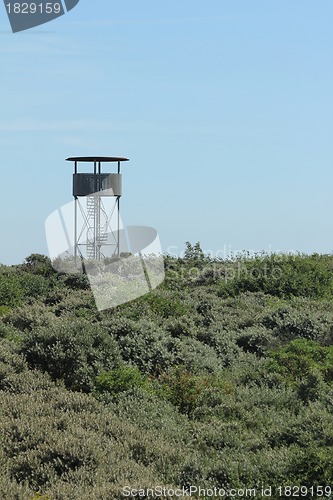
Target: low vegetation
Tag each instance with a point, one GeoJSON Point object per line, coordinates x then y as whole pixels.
{"type": "Point", "coordinates": [221, 377]}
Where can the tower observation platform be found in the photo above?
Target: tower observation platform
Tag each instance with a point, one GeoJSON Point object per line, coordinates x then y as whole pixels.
{"type": "Point", "coordinates": [97, 207]}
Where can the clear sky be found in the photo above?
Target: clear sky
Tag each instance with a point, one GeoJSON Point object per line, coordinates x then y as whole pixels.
{"type": "Point", "coordinates": [224, 107]}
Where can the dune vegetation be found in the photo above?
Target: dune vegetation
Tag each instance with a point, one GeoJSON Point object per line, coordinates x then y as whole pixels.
{"type": "Point", "coordinates": [222, 377]}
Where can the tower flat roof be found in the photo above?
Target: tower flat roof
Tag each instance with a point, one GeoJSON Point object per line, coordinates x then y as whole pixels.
{"type": "Point", "coordinates": [97, 158]}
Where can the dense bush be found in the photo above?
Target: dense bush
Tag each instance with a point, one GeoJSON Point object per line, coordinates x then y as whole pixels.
{"type": "Point", "coordinates": [18, 286]}
{"type": "Point", "coordinates": [166, 305]}
{"type": "Point", "coordinates": [280, 275]}
{"type": "Point", "coordinates": [220, 377]}
{"type": "Point", "coordinates": [60, 445]}
{"type": "Point", "coordinates": [72, 350]}
{"type": "Point", "coordinates": [290, 323]}
{"type": "Point", "coordinates": [183, 389]}
{"type": "Point", "coordinates": [12, 292]}
{"type": "Point", "coordinates": [145, 344]}
{"type": "Point", "coordinates": [38, 264]}
{"type": "Point", "coordinates": [121, 379]}
{"type": "Point", "coordinates": [302, 357]}
{"type": "Point", "coordinates": [30, 316]}
{"type": "Point", "coordinates": [256, 340]}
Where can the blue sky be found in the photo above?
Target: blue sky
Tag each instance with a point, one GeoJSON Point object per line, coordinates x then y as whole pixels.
{"type": "Point", "coordinates": [225, 109]}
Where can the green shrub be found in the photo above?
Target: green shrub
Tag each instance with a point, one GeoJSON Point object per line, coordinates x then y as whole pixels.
{"type": "Point", "coordinates": [12, 490]}
{"type": "Point", "coordinates": [301, 357]}
{"type": "Point", "coordinates": [313, 467]}
{"type": "Point", "coordinates": [290, 323]}
{"type": "Point", "coordinates": [184, 389]}
{"type": "Point", "coordinates": [180, 327]}
{"type": "Point", "coordinates": [10, 332]}
{"type": "Point", "coordinates": [18, 286]}
{"type": "Point", "coordinates": [34, 285]}
{"type": "Point", "coordinates": [223, 343]}
{"type": "Point", "coordinates": [67, 445]}
{"type": "Point", "coordinates": [72, 350]}
{"type": "Point", "coordinates": [38, 264]}
{"type": "Point", "coordinates": [4, 310]}
{"type": "Point", "coordinates": [280, 275]}
{"type": "Point", "coordinates": [223, 391]}
{"type": "Point", "coordinates": [143, 344]}
{"type": "Point", "coordinates": [77, 281]}
{"type": "Point", "coordinates": [10, 363]}
{"type": "Point", "coordinates": [120, 380]}
{"type": "Point", "coordinates": [27, 317]}
{"type": "Point", "coordinates": [311, 387]}
{"type": "Point", "coordinates": [165, 304]}
{"type": "Point", "coordinates": [11, 292]}
{"type": "Point", "coordinates": [194, 253]}
{"type": "Point", "coordinates": [195, 356]}
{"type": "Point", "coordinates": [75, 303]}
{"type": "Point", "coordinates": [256, 340]}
